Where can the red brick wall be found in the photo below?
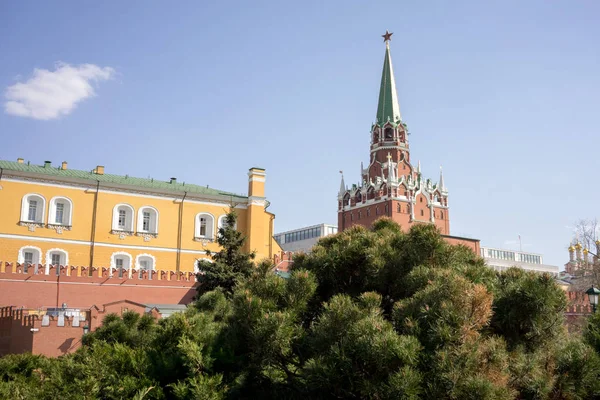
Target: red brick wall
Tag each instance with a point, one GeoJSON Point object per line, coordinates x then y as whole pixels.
{"type": "Point", "coordinates": [35, 291]}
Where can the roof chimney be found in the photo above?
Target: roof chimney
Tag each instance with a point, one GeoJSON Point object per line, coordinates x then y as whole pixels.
{"type": "Point", "coordinates": [47, 164]}
{"type": "Point", "coordinates": [99, 170]}
{"type": "Point", "coordinates": [64, 165]}
{"type": "Point", "coordinates": [20, 160]}
{"type": "Point", "coordinates": [173, 180]}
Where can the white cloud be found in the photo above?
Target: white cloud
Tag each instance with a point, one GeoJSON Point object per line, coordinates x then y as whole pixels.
{"type": "Point", "coordinates": [51, 94]}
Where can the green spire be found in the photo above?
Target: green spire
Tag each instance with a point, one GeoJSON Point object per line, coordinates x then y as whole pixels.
{"type": "Point", "coordinates": [388, 107]}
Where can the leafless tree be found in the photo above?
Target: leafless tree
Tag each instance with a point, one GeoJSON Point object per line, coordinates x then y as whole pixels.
{"type": "Point", "coordinates": [587, 272]}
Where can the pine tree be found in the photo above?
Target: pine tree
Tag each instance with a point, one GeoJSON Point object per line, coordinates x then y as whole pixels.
{"type": "Point", "coordinates": [230, 264]}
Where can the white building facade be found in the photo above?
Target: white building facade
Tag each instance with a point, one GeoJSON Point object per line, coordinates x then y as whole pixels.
{"type": "Point", "coordinates": [303, 239]}
{"type": "Point", "coordinates": [502, 259]}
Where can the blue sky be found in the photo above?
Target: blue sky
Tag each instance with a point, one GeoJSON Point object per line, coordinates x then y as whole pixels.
{"type": "Point", "coordinates": [503, 94]}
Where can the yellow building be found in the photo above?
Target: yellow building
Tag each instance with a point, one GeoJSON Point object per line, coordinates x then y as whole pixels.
{"type": "Point", "coordinates": [54, 215]}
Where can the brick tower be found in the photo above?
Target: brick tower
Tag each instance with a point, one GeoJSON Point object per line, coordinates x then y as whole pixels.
{"type": "Point", "coordinates": [390, 185]}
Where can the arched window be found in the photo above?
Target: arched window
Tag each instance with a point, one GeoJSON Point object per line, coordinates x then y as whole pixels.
{"type": "Point", "coordinates": [351, 217]}
{"type": "Point", "coordinates": [368, 212]}
{"type": "Point", "coordinates": [61, 211]}
{"type": "Point", "coordinates": [420, 199]}
{"type": "Point", "coordinates": [223, 222]}
{"type": "Point", "coordinates": [57, 257]}
{"type": "Point", "coordinates": [388, 133]}
{"type": "Point", "coordinates": [145, 262]}
{"type": "Point", "coordinates": [386, 208]}
{"type": "Point", "coordinates": [32, 208]}
{"type": "Point", "coordinates": [441, 215]}
{"type": "Point", "coordinates": [204, 226]}
{"type": "Point", "coordinates": [359, 214]}
{"type": "Point", "coordinates": [30, 256]}
{"type": "Point", "coordinates": [422, 213]}
{"type": "Point", "coordinates": [377, 210]}
{"type": "Point", "coordinates": [147, 220]}
{"type": "Point", "coordinates": [120, 261]}
{"type": "Point", "coordinates": [346, 199]}
{"type": "Point", "coordinates": [122, 218]}
{"type": "Point", "coordinates": [399, 208]}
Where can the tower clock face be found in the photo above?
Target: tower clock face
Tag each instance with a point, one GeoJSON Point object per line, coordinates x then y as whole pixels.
{"type": "Point", "coordinates": [389, 133]}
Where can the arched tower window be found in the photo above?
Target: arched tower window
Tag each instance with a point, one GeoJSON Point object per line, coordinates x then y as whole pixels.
{"type": "Point", "coordinates": [422, 213]}
{"type": "Point", "coordinates": [32, 208]}
{"type": "Point", "coordinates": [399, 208]}
{"type": "Point", "coordinates": [123, 218]}
{"type": "Point", "coordinates": [441, 215]}
{"type": "Point", "coordinates": [388, 133]}
{"type": "Point", "coordinates": [346, 199]}
{"type": "Point", "coordinates": [147, 221]}
{"type": "Point", "coordinates": [205, 226]}
{"type": "Point", "coordinates": [61, 211]}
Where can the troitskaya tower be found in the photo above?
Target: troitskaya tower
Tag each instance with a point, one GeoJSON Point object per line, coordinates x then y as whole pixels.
{"type": "Point", "coordinates": [390, 185]}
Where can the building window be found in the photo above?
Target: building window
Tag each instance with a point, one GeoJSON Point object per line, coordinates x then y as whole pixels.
{"type": "Point", "coordinates": [422, 213]}
{"type": "Point", "coordinates": [61, 211]}
{"type": "Point", "coordinates": [123, 218]}
{"type": "Point", "coordinates": [386, 208]}
{"type": "Point", "coordinates": [32, 208]}
{"type": "Point", "coordinates": [359, 214]}
{"type": "Point", "coordinates": [420, 199]}
{"type": "Point", "coordinates": [145, 262]}
{"type": "Point", "coordinates": [29, 256]}
{"type": "Point", "coordinates": [441, 215]}
{"type": "Point", "coordinates": [351, 217]}
{"type": "Point", "coordinates": [399, 208]}
{"type": "Point", "coordinates": [204, 226]}
{"type": "Point", "coordinates": [377, 210]}
{"type": "Point", "coordinates": [368, 212]}
{"type": "Point", "coordinates": [121, 262]}
{"type": "Point", "coordinates": [147, 220]}
{"type": "Point", "coordinates": [55, 259]}
{"type": "Point", "coordinates": [222, 223]}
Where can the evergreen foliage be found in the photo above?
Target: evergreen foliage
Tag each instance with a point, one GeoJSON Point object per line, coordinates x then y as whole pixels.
{"type": "Point", "coordinates": [368, 314]}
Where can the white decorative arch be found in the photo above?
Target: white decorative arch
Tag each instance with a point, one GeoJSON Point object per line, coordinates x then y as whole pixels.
{"type": "Point", "coordinates": [129, 218]}
{"type": "Point", "coordinates": [221, 222]}
{"type": "Point", "coordinates": [35, 250]}
{"type": "Point", "coordinates": [209, 232]}
{"type": "Point", "coordinates": [140, 257]}
{"type": "Point", "coordinates": [40, 208]}
{"type": "Point", "coordinates": [153, 228]}
{"type": "Point", "coordinates": [67, 211]}
{"type": "Point", "coordinates": [120, 254]}
{"type": "Point", "coordinates": [64, 256]}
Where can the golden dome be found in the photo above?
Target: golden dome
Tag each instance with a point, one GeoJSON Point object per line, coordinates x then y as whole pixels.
{"type": "Point", "coordinates": [578, 246]}
{"type": "Point", "coordinates": [571, 248]}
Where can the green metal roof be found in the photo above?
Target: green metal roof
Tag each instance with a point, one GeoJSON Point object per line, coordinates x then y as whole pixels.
{"type": "Point", "coordinates": [388, 107]}
{"type": "Point", "coordinates": [145, 183]}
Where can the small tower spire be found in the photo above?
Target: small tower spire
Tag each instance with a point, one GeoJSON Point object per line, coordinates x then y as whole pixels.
{"type": "Point", "coordinates": [419, 167]}
{"type": "Point", "coordinates": [442, 186]}
{"type": "Point", "coordinates": [342, 185]}
{"type": "Point", "coordinates": [388, 108]}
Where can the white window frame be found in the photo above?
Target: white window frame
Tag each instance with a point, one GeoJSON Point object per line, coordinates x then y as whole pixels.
{"type": "Point", "coordinates": [67, 212]}
{"type": "Point", "coordinates": [129, 219]}
{"type": "Point", "coordinates": [210, 226]}
{"type": "Point", "coordinates": [222, 220]}
{"type": "Point", "coordinates": [153, 219]}
{"type": "Point", "coordinates": [63, 254]}
{"type": "Point", "coordinates": [127, 261]}
{"type": "Point", "coordinates": [145, 257]}
{"type": "Point", "coordinates": [35, 250]}
{"type": "Point", "coordinates": [40, 208]}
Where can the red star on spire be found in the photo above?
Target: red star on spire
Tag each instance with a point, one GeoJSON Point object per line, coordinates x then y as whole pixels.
{"type": "Point", "coordinates": [387, 36]}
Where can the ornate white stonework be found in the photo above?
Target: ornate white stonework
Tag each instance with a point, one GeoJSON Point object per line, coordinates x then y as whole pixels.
{"type": "Point", "coordinates": [147, 236]}
{"type": "Point", "coordinates": [31, 225]}
{"type": "Point", "coordinates": [122, 234]}
{"type": "Point", "coordinates": [59, 228]}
